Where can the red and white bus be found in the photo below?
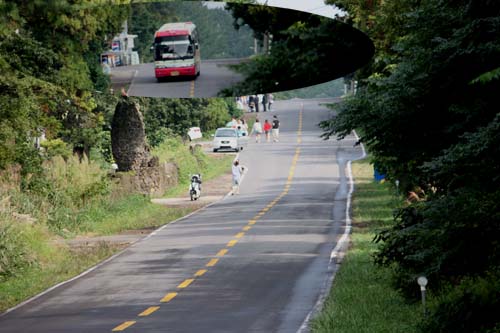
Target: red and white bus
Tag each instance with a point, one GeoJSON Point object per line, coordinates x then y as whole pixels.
{"type": "Point", "coordinates": [176, 50]}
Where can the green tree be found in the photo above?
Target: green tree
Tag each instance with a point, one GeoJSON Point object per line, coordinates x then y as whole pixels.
{"type": "Point", "coordinates": [164, 118]}
{"type": "Point", "coordinates": [430, 119]}
{"type": "Point", "coordinates": [305, 50]}
{"type": "Point", "coordinates": [49, 54]}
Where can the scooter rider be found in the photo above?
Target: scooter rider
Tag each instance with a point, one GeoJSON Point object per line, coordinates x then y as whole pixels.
{"type": "Point", "coordinates": [195, 188]}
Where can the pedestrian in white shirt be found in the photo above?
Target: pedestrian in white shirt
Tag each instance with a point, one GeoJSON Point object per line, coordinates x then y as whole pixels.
{"type": "Point", "coordinates": [237, 172]}
{"type": "Point", "coordinates": [257, 130]}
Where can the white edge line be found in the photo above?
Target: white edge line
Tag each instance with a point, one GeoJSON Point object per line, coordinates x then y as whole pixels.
{"type": "Point", "coordinates": [60, 284]}
{"type": "Point", "coordinates": [362, 145]}
{"type": "Point", "coordinates": [341, 243]}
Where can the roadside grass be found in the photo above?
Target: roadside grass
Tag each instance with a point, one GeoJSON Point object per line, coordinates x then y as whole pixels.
{"type": "Point", "coordinates": [132, 212]}
{"type": "Point", "coordinates": [361, 298]}
{"type": "Point", "coordinates": [54, 263]}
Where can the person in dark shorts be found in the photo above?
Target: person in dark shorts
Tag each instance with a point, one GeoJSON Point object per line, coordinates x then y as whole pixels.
{"type": "Point", "coordinates": [276, 129]}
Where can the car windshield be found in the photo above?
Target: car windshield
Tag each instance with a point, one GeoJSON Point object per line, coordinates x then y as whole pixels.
{"type": "Point", "coordinates": [173, 48]}
{"type": "Point", "coordinates": [225, 133]}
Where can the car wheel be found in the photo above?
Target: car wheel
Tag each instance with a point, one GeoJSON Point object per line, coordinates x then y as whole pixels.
{"type": "Point", "coordinates": [215, 150]}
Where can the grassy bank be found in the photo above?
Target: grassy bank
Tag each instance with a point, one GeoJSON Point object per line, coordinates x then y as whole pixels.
{"type": "Point", "coordinates": [361, 298]}
{"type": "Point", "coordinates": [190, 163]}
{"type": "Point", "coordinates": [47, 262]}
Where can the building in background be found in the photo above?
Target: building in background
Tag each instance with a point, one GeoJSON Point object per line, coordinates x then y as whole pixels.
{"type": "Point", "coordinates": [122, 50]}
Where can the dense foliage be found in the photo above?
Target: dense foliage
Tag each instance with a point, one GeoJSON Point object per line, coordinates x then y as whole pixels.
{"type": "Point", "coordinates": [303, 49]}
{"type": "Point", "coordinates": [50, 71]}
{"type": "Point", "coordinates": [164, 118]}
{"type": "Point", "coordinates": [428, 112]}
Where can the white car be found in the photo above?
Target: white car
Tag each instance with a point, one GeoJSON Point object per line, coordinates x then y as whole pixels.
{"type": "Point", "coordinates": [194, 133]}
{"type": "Point", "coordinates": [228, 139]}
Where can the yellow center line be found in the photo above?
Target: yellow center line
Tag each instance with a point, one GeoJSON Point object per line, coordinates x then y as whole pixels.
{"type": "Point", "coordinates": [222, 252]}
{"type": "Point", "coordinates": [123, 326]}
{"type": "Point", "coordinates": [200, 272]}
{"type": "Point", "coordinates": [212, 262]}
{"type": "Point", "coordinates": [185, 284]}
{"type": "Point", "coordinates": [168, 297]}
{"type": "Point", "coordinates": [148, 311]}
{"type": "Point", "coordinates": [191, 92]}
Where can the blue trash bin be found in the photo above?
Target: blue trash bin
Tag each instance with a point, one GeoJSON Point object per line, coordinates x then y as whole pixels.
{"type": "Point", "coordinates": [378, 175]}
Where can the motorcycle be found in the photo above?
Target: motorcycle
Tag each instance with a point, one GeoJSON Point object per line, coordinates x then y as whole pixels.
{"type": "Point", "coordinates": [195, 187]}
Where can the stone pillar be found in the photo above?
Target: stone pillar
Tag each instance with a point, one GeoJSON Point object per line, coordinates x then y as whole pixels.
{"type": "Point", "coordinates": [131, 153]}
{"type": "Point", "coordinates": [128, 139]}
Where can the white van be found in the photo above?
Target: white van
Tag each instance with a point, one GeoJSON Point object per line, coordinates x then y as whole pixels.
{"type": "Point", "coordinates": [226, 138]}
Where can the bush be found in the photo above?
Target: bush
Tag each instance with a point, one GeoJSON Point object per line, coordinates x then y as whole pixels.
{"type": "Point", "coordinates": [188, 161]}
{"type": "Point", "coordinates": [56, 147]}
{"type": "Point", "coordinates": [14, 250]}
{"type": "Point", "coordinates": [473, 306]}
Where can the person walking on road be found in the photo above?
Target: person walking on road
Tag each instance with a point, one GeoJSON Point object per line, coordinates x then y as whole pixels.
{"type": "Point", "coordinates": [257, 130]}
{"type": "Point", "coordinates": [264, 102]}
{"type": "Point", "coordinates": [244, 125]}
{"type": "Point", "coordinates": [276, 129]}
{"type": "Point", "coordinates": [267, 130]}
{"type": "Point", "coordinates": [256, 102]}
{"type": "Point", "coordinates": [251, 103]}
{"type": "Point", "coordinates": [237, 171]}
{"type": "Point", "coordinates": [270, 101]}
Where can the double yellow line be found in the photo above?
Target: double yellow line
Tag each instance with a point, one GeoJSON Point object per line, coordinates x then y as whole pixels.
{"type": "Point", "coordinates": [222, 252]}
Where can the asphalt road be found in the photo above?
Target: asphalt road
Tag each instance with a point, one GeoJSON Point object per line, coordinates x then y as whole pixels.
{"type": "Point", "coordinates": [254, 262]}
{"type": "Point", "coordinates": [214, 76]}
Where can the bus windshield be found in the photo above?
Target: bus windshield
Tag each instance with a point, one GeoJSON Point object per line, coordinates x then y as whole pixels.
{"type": "Point", "coordinates": [173, 48]}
